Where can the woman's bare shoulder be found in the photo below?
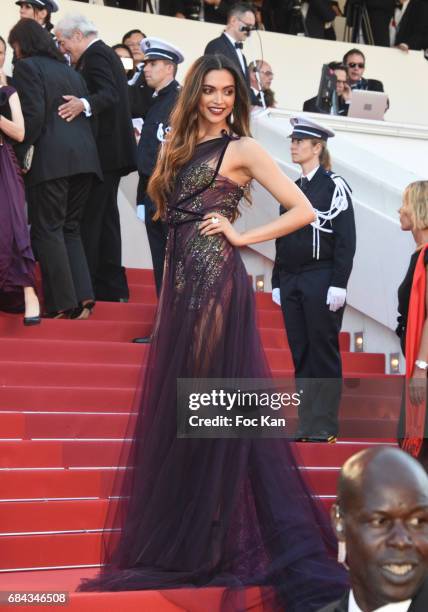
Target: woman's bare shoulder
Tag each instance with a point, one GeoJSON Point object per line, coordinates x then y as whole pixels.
{"type": "Point", "coordinates": [246, 146]}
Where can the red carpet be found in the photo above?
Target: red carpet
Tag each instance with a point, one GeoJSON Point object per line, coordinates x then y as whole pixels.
{"type": "Point", "coordinates": [66, 392]}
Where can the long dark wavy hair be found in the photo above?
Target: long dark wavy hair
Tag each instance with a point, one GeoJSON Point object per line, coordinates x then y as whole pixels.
{"type": "Point", "coordinates": [33, 39]}
{"type": "Point", "coordinates": [181, 142]}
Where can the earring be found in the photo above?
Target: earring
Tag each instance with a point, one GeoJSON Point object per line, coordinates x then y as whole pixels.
{"type": "Point", "coordinates": [341, 552]}
{"type": "Point", "coordinates": [232, 118]}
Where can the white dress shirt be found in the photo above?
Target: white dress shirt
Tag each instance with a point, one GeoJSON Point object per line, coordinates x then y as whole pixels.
{"type": "Point", "coordinates": [238, 52]}
{"type": "Point", "coordinates": [137, 73]}
{"type": "Point", "coordinates": [401, 606]}
{"type": "Point", "coordinates": [311, 174]}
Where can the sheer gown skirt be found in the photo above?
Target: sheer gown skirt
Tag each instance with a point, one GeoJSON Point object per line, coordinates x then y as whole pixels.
{"type": "Point", "coordinates": [214, 512]}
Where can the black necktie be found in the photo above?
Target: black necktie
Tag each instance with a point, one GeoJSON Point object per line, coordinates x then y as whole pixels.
{"type": "Point", "coordinates": [304, 182]}
{"type": "Point", "coordinates": [239, 45]}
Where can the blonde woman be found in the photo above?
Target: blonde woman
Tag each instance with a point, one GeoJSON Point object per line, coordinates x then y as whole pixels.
{"type": "Point", "coordinates": [412, 326]}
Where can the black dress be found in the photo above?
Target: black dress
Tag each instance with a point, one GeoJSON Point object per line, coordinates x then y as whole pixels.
{"type": "Point", "coordinates": [404, 291]}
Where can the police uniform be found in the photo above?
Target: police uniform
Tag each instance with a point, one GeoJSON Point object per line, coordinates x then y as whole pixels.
{"type": "Point", "coordinates": [49, 5]}
{"type": "Point", "coordinates": [312, 268]}
{"type": "Point", "coordinates": [154, 131]}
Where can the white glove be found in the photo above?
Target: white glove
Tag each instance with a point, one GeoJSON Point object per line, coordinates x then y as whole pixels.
{"type": "Point", "coordinates": [336, 297]}
{"type": "Point", "coordinates": [141, 212]}
{"type": "Point", "coordinates": [276, 296]}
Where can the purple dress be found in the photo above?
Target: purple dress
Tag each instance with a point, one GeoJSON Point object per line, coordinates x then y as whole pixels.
{"type": "Point", "coordinates": [212, 512]}
{"type": "Point", "coordinates": [16, 257]}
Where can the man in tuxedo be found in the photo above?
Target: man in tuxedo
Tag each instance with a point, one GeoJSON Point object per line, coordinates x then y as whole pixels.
{"type": "Point", "coordinates": [412, 28]}
{"type": "Point", "coordinates": [355, 63]}
{"type": "Point", "coordinates": [64, 166]}
{"type": "Point", "coordinates": [133, 40]}
{"type": "Point", "coordinates": [340, 102]}
{"type": "Point", "coordinates": [140, 95]}
{"type": "Point", "coordinates": [318, 14]}
{"type": "Point", "coordinates": [108, 104]}
{"type": "Point", "coordinates": [215, 11]}
{"type": "Point", "coordinates": [381, 522]}
{"type": "Point", "coordinates": [241, 21]}
{"type": "Point", "coordinates": [261, 77]}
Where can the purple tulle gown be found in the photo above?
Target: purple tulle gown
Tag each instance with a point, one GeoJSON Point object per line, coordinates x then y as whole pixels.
{"type": "Point", "coordinates": [212, 512]}
{"type": "Point", "coordinates": [16, 257]}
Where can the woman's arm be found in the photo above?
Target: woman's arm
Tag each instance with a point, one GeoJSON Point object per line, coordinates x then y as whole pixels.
{"type": "Point", "coordinates": [418, 382]}
{"type": "Point", "coordinates": [15, 129]}
{"type": "Point", "coordinates": [258, 164]}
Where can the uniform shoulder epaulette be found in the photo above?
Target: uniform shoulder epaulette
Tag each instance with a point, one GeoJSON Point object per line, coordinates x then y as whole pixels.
{"type": "Point", "coordinates": [339, 181]}
{"type": "Point", "coordinates": [339, 203]}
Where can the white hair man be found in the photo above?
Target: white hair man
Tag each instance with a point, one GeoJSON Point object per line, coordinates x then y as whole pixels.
{"type": "Point", "coordinates": [108, 103]}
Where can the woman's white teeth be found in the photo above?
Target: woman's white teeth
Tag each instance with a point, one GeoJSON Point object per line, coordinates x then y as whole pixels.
{"type": "Point", "coordinates": [399, 570]}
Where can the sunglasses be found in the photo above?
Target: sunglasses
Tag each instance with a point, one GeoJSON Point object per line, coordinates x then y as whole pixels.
{"type": "Point", "coordinates": [356, 65]}
{"type": "Point", "coordinates": [250, 26]}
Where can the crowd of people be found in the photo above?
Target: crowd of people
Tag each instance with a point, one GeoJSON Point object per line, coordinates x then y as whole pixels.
{"type": "Point", "coordinates": [396, 23]}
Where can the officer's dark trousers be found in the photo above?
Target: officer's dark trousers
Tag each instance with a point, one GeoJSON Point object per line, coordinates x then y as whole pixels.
{"type": "Point", "coordinates": [313, 335]}
{"type": "Point", "coordinates": [102, 240]}
{"type": "Point", "coordinates": [55, 210]}
{"type": "Point", "coordinates": [157, 232]}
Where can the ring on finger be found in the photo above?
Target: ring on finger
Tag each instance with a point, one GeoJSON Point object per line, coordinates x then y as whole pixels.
{"type": "Point", "coordinates": [214, 220]}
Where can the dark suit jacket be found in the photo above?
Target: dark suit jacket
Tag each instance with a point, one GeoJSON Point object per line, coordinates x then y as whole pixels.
{"type": "Point", "coordinates": [370, 85]}
{"type": "Point", "coordinates": [171, 7]}
{"type": "Point", "coordinates": [140, 96]}
{"type": "Point", "coordinates": [219, 14]}
{"type": "Point", "coordinates": [413, 27]}
{"type": "Point", "coordinates": [419, 602]}
{"type": "Point", "coordinates": [223, 46]}
{"type": "Point", "coordinates": [60, 148]}
{"type": "Point", "coordinates": [108, 96]}
{"type": "Point", "coordinates": [310, 106]}
{"type": "Point", "coordinates": [319, 13]}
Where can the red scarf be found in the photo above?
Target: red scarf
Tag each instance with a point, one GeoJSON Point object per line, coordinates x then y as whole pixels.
{"type": "Point", "coordinates": [415, 415]}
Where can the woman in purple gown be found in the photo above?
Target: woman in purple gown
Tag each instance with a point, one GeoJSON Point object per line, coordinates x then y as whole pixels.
{"type": "Point", "coordinates": [214, 512]}
{"type": "Point", "coordinates": [16, 257]}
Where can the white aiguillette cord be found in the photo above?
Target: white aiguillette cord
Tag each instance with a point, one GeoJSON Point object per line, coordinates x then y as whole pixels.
{"type": "Point", "coordinates": [339, 203]}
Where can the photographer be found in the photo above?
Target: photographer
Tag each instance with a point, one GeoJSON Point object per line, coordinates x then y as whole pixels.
{"type": "Point", "coordinates": [341, 98]}
{"type": "Point", "coordinates": [312, 18]}
{"type": "Point", "coordinates": [241, 21]}
{"type": "Point", "coordinates": [412, 25]}
{"type": "Point", "coordinates": [379, 14]}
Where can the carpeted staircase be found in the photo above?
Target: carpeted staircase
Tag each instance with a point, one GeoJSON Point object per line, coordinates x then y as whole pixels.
{"type": "Point", "coordinates": [66, 393]}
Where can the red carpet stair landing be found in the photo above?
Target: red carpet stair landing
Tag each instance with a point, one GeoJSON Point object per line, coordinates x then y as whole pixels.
{"type": "Point", "coordinates": [66, 394]}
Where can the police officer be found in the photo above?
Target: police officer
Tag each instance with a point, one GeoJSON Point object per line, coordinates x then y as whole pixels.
{"type": "Point", "coordinates": [309, 280]}
{"type": "Point", "coordinates": [39, 10]}
{"type": "Point", "coordinates": [160, 67]}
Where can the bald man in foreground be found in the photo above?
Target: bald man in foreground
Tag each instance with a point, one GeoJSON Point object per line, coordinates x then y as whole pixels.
{"type": "Point", "coordinates": [381, 522]}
